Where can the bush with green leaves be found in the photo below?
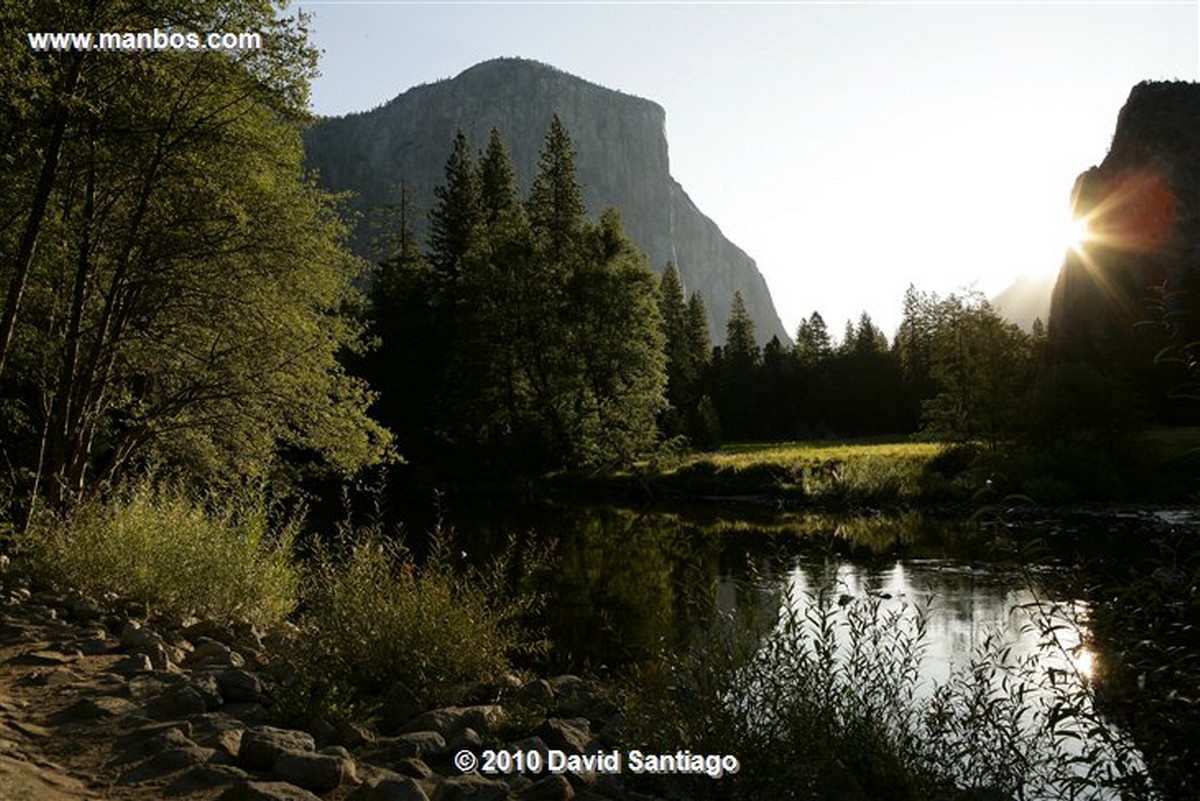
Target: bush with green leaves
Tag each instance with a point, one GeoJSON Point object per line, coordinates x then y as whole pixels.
{"type": "Point", "coordinates": [374, 615]}
{"type": "Point", "coordinates": [178, 553]}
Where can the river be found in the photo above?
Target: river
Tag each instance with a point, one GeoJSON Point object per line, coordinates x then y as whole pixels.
{"type": "Point", "coordinates": [975, 600]}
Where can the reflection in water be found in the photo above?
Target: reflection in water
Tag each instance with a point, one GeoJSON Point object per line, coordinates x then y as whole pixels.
{"type": "Point", "coordinates": [992, 650]}
{"type": "Point", "coordinates": [629, 585]}
{"type": "Point", "coordinates": [961, 605]}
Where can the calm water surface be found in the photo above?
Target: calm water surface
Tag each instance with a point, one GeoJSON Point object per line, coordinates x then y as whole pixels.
{"type": "Point", "coordinates": [627, 584]}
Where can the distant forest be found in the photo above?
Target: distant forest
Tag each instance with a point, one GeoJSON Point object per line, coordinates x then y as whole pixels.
{"type": "Point", "coordinates": [524, 337]}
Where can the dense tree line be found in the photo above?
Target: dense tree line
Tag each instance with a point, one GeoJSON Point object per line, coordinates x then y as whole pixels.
{"type": "Point", "coordinates": [955, 369]}
{"type": "Point", "coordinates": [524, 336]}
{"type": "Point", "coordinates": [175, 290]}
{"type": "Point", "coordinates": [177, 297]}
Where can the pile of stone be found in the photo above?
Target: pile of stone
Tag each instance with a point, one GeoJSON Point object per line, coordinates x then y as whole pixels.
{"type": "Point", "coordinates": [184, 711]}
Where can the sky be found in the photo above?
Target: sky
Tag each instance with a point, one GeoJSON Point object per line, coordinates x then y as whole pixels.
{"type": "Point", "coordinates": [851, 148]}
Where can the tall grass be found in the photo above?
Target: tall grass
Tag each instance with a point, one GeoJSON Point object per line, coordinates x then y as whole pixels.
{"type": "Point", "coordinates": [374, 615]}
{"type": "Point", "coordinates": [815, 696]}
{"type": "Point", "coordinates": [177, 553]}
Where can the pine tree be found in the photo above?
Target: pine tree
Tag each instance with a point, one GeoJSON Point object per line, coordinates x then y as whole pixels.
{"type": "Point", "coordinates": [555, 206]}
{"type": "Point", "coordinates": [740, 344]}
{"type": "Point", "coordinates": [812, 353]}
{"type": "Point", "coordinates": [402, 253]}
{"type": "Point", "coordinates": [410, 349]}
{"type": "Point", "coordinates": [683, 369]}
{"type": "Point", "coordinates": [867, 339]}
{"type": "Point", "coordinates": [813, 344]}
{"type": "Point", "coordinates": [456, 219]}
{"type": "Point", "coordinates": [497, 180]}
{"type": "Point", "coordinates": [699, 340]}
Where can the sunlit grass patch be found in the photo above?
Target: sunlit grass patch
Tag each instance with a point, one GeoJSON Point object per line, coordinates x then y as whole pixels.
{"type": "Point", "coordinates": [871, 471]}
{"type": "Point", "coordinates": [177, 553]}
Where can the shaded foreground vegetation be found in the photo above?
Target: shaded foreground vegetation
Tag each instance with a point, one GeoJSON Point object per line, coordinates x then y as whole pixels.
{"type": "Point", "coordinates": [834, 705]}
{"type": "Point", "coordinates": [368, 615]}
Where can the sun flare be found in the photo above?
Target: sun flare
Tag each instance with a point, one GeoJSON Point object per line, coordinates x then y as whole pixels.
{"type": "Point", "coordinates": [1076, 233]}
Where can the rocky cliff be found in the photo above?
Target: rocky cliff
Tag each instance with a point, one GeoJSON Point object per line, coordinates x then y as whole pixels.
{"type": "Point", "coordinates": [621, 161]}
{"type": "Point", "coordinates": [1142, 259]}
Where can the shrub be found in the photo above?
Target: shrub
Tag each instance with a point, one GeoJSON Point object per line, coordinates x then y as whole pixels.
{"type": "Point", "coordinates": [374, 616]}
{"type": "Point", "coordinates": [178, 554]}
{"type": "Point", "coordinates": [835, 682]}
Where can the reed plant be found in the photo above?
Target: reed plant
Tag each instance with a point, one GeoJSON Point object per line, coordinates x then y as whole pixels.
{"type": "Point", "coordinates": [824, 697]}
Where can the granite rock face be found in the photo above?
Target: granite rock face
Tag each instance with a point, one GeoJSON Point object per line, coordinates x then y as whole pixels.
{"type": "Point", "coordinates": [621, 159]}
{"type": "Point", "coordinates": [1143, 207]}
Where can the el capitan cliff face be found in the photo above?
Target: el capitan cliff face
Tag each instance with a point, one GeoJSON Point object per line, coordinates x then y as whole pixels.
{"type": "Point", "coordinates": [621, 161]}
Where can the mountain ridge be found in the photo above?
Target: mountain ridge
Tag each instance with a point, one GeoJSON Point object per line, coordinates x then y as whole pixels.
{"type": "Point", "coordinates": [622, 160]}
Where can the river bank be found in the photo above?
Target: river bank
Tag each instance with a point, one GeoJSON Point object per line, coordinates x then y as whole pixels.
{"type": "Point", "coordinates": [1154, 467]}
{"type": "Point", "coordinates": [97, 704]}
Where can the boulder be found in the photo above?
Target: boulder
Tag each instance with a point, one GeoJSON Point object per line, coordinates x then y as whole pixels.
{"type": "Point", "coordinates": [262, 745]}
{"type": "Point", "coordinates": [573, 736]}
{"type": "Point", "coordinates": [537, 692]}
{"type": "Point", "coordinates": [550, 788]}
{"type": "Point", "coordinates": [180, 702]}
{"type": "Point", "coordinates": [400, 705]}
{"type": "Point", "coordinates": [165, 762]}
{"type": "Point", "coordinates": [134, 663]}
{"type": "Point", "coordinates": [471, 787]}
{"type": "Point", "coordinates": [211, 653]}
{"type": "Point", "coordinates": [314, 771]}
{"type": "Point", "coordinates": [420, 744]}
{"type": "Point", "coordinates": [267, 791]}
{"type": "Point", "coordinates": [391, 788]}
{"type": "Point", "coordinates": [240, 686]}
{"type": "Point", "coordinates": [204, 778]}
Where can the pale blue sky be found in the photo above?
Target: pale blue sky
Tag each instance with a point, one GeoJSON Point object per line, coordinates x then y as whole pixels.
{"type": "Point", "coordinates": [850, 149]}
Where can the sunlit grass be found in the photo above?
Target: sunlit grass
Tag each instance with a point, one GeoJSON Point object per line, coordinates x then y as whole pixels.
{"type": "Point", "coordinates": [837, 472]}
{"type": "Point", "coordinates": [788, 453]}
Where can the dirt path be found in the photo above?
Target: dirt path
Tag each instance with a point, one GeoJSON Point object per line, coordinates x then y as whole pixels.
{"type": "Point", "coordinates": [45, 671]}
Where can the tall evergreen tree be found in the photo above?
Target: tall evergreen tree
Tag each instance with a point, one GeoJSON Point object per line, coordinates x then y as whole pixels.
{"type": "Point", "coordinates": [683, 368]}
{"type": "Point", "coordinates": [555, 206]}
{"type": "Point", "coordinates": [456, 218]}
{"type": "Point", "coordinates": [736, 393]}
{"type": "Point", "coordinates": [740, 344]}
{"type": "Point", "coordinates": [497, 180]}
{"type": "Point", "coordinates": [553, 342]}
{"type": "Point", "coordinates": [812, 355]}
{"type": "Point", "coordinates": [813, 344]}
{"type": "Point", "coordinates": [914, 347]}
{"type": "Point", "coordinates": [699, 339]}
{"type": "Point", "coordinates": [410, 349]}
